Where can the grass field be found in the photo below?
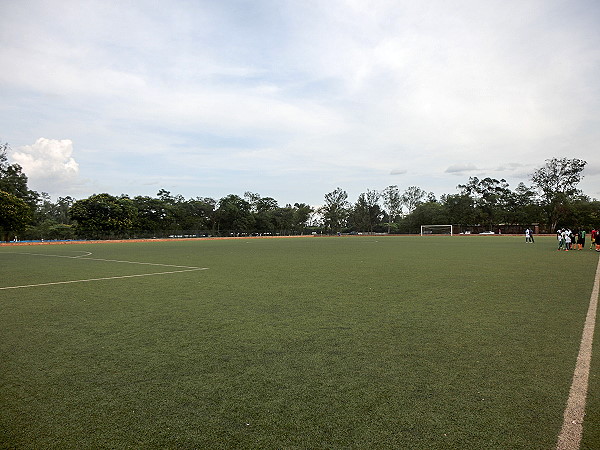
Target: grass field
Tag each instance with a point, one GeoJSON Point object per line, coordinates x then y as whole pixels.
{"type": "Point", "coordinates": [351, 342]}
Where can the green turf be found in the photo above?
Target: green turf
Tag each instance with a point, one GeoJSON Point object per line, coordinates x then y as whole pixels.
{"type": "Point", "coordinates": [351, 342]}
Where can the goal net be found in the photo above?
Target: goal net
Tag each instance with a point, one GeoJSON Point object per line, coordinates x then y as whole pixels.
{"type": "Point", "coordinates": [428, 230]}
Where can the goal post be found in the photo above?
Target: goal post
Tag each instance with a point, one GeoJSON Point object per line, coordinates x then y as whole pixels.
{"type": "Point", "coordinates": [429, 230]}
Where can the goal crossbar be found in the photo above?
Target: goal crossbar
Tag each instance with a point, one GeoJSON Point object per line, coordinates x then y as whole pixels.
{"type": "Point", "coordinates": [427, 230]}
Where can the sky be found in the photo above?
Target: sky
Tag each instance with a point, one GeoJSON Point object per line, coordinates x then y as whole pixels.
{"type": "Point", "coordinates": [292, 99]}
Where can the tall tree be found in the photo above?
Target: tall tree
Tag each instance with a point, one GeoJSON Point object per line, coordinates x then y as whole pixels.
{"type": "Point", "coordinates": [490, 196]}
{"type": "Point", "coordinates": [557, 183]}
{"type": "Point", "coordinates": [392, 201]}
{"type": "Point", "coordinates": [153, 214]}
{"type": "Point", "coordinates": [57, 212]}
{"type": "Point", "coordinates": [15, 214]}
{"type": "Point", "coordinates": [103, 216]}
{"type": "Point", "coordinates": [174, 206]}
{"type": "Point", "coordinates": [252, 198]}
{"type": "Point", "coordinates": [559, 175]}
{"type": "Point", "coordinates": [233, 214]}
{"type": "Point", "coordinates": [198, 214]}
{"type": "Point", "coordinates": [366, 212]}
{"type": "Point", "coordinates": [585, 213]}
{"type": "Point", "coordinates": [267, 214]}
{"type": "Point", "coordinates": [283, 219]}
{"type": "Point", "coordinates": [460, 209]}
{"type": "Point", "coordinates": [51, 219]}
{"type": "Point", "coordinates": [302, 213]}
{"type": "Point", "coordinates": [167, 197]}
{"type": "Point", "coordinates": [523, 207]}
{"type": "Point", "coordinates": [14, 181]}
{"type": "Point", "coordinates": [335, 210]}
{"type": "Point", "coordinates": [412, 197]}
{"type": "Point", "coordinates": [429, 213]}
{"type": "Point", "coordinates": [60, 211]}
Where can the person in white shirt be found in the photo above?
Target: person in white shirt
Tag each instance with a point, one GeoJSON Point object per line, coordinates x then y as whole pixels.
{"type": "Point", "coordinates": [567, 240]}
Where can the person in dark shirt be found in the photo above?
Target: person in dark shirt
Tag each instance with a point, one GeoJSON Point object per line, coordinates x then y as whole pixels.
{"type": "Point", "coordinates": [581, 240]}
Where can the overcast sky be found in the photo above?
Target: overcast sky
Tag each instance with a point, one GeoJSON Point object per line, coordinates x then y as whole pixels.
{"type": "Point", "coordinates": [291, 99]}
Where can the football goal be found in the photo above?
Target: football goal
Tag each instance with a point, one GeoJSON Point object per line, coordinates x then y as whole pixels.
{"type": "Point", "coordinates": [428, 230]}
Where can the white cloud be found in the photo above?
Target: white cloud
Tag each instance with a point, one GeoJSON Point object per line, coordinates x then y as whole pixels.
{"type": "Point", "coordinates": [342, 90]}
{"type": "Point", "coordinates": [509, 167]}
{"type": "Point", "coordinates": [48, 163]}
{"type": "Point", "coordinates": [460, 169]}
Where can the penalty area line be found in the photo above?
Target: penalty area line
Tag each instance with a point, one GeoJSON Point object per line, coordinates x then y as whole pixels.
{"type": "Point", "coordinates": [572, 427]}
{"type": "Point", "coordinates": [104, 278]}
{"type": "Point", "coordinates": [86, 258]}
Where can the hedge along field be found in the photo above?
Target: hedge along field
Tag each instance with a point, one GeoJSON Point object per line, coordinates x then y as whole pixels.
{"type": "Point", "coordinates": [341, 342]}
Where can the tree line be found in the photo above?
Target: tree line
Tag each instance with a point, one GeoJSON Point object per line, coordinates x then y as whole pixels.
{"type": "Point", "coordinates": [552, 200]}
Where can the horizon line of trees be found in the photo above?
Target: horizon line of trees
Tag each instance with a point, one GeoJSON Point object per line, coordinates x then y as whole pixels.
{"type": "Point", "coordinates": [553, 200]}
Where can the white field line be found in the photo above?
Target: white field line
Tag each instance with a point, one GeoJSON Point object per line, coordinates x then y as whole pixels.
{"type": "Point", "coordinates": [83, 256]}
{"type": "Point", "coordinates": [80, 257]}
{"type": "Point", "coordinates": [103, 278]}
{"type": "Point", "coordinates": [104, 260]}
{"type": "Point", "coordinates": [572, 428]}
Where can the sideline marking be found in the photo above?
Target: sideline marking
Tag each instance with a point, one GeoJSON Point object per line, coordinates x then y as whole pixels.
{"type": "Point", "coordinates": [572, 428]}
{"type": "Point", "coordinates": [104, 278]}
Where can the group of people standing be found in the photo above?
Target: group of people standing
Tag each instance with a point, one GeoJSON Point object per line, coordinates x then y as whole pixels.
{"type": "Point", "coordinates": [529, 236]}
{"type": "Point", "coordinates": [575, 240]}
